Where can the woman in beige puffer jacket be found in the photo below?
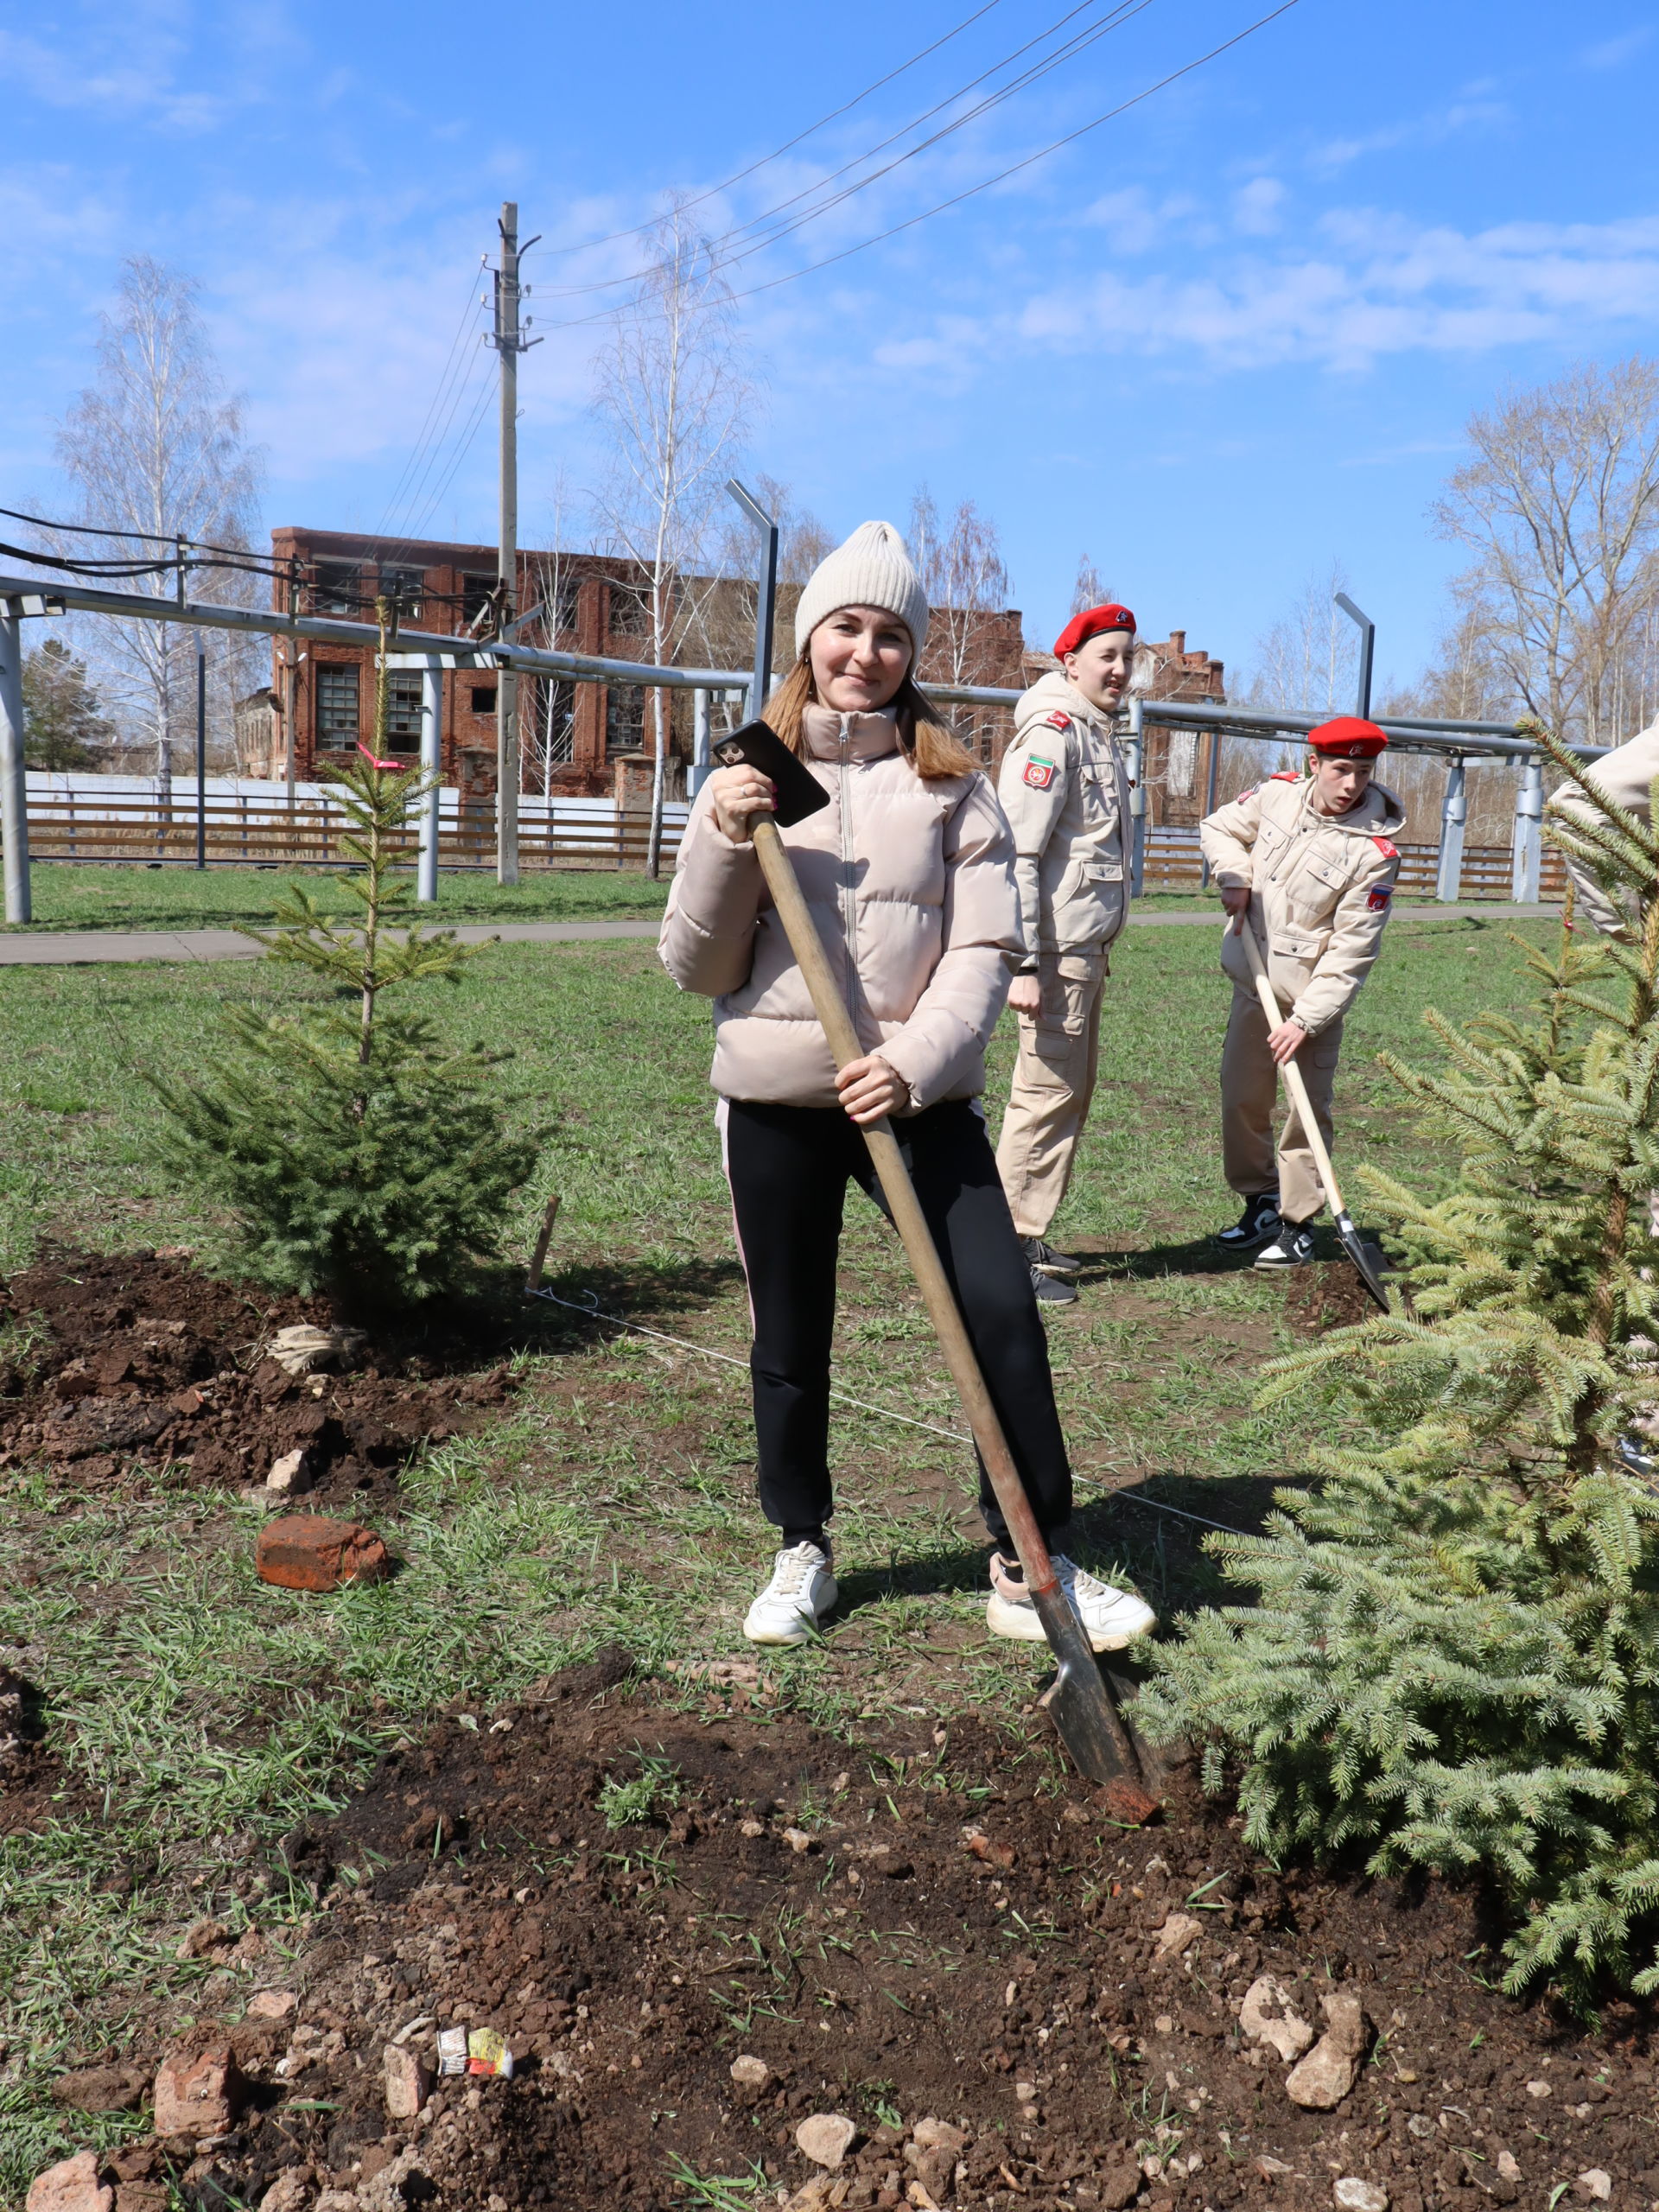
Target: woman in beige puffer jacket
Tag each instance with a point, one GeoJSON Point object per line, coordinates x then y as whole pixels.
{"type": "Point", "coordinates": [909, 875]}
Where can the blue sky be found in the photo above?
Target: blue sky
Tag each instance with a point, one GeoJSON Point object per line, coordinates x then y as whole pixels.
{"type": "Point", "coordinates": [1227, 338]}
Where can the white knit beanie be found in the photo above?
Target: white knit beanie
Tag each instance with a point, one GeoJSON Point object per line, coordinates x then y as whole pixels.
{"type": "Point", "coordinates": [871, 569]}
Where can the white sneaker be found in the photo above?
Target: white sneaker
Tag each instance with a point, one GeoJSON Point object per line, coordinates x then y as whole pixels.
{"type": "Point", "coordinates": [801, 1591]}
{"type": "Point", "coordinates": [1110, 1617]}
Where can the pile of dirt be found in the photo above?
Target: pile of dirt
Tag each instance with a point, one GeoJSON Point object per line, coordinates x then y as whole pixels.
{"type": "Point", "coordinates": [129, 1364]}
{"type": "Point", "coordinates": [1328, 1294]}
{"type": "Point", "coordinates": [1014, 2001]}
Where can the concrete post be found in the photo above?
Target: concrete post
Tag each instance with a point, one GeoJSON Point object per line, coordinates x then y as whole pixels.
{"type": "Point", "coordinates": [14, 786]}
{"type": "Point", "coordinates": [426, 881]}
{"type": "Point", "coordinates": [1454, 813]}
{"type": "Point", "coordinates": [701, 758]}
{"type": "Point", "coordinates": [1133, 760]}
{"type": "Point", "coordinates": [1528, 834]}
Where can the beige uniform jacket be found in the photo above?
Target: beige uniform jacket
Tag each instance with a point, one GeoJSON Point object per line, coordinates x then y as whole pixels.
{"type": "Point", "coordinates": [1320, 885]}
{"type": "Point", "coordinates": [911, 884]}
{"type": "Point", "coordinates": [1066, 794]}
{"type": "Point", "coordinates": [1626, 775]}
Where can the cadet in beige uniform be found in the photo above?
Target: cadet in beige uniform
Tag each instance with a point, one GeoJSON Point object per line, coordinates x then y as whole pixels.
{"type": "Point", "coordinates": [1309, 864]}
{"type": "Point", "coordinates": [1063, 789]}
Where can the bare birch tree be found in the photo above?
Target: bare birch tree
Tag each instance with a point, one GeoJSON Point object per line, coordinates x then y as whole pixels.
{"type": "Point", "coordinates": [1559, 503]}
{"type": "Point", "coordinates": [1090, 589]}
{"type": "Point", "coordinates": [673, 398]}
{"type": "Point", "coordinates": [1309, 660]}
{"type": "Point", "coordinates": [962, 565]}
{"type": "Point", "coordinates": [155, 447]}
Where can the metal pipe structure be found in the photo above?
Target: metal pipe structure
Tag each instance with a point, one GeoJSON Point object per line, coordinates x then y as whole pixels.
{"type": "Point", "coordinates": [702, 758]}
{"type": "Point", "coordinates": [14, 783]}
{"type": "Point", "coordinates": [421, 646]}
{"type": "Point", "coordinates": [1528, 835]}
{"type": "Point", "coordinates": [1134, 751]}
{"type": "Point", "coordinates": [426, 864]}
{"type": "Point", "coordinates": [1454, 813]}
{"type": "Point", "coordinates": [766, 597]}
{"type": "Point", "coordinates": [202, 757]}
{"type": "Point", "coordinates": [1367, 652]}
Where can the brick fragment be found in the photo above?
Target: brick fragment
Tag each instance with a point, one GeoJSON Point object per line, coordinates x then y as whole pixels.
{"type": "Point", "coordinates": [1126, 1801]}
{"type": "Point", "coordinates": [408, 2082]}
{"type": "Point", "coordinates": [72, 2185]}
{"type": "Point", "coordinates": [308, 1551]}
{"type": "Point", "coordinates": [200, 2095]}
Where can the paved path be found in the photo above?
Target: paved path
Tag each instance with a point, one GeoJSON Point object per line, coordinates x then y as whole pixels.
{"type": "Point", "coordinates": [91, 947]}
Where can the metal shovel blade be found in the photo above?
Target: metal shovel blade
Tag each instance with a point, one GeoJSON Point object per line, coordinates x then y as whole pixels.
{"type": "Point", "coordinates": [1366, 1259]}
{"type": "Point", "coordinates": [1079, 1701]}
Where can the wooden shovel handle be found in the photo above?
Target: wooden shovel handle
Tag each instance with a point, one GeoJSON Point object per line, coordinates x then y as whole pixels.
{"type": "Point", "coordinates": [1291, 1073]}
{"type": "Point", "coordinates": [908, 1218]}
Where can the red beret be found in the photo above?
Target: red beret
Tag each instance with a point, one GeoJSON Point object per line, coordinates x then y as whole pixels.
{"type": "Point", "coordinates": [1089, 623]}
{"type": "Point", "coordinates": [1348, 736]}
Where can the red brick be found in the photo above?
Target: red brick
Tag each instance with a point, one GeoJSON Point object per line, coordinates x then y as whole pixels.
{"type": "Point", "coordinates": [198, 2095]}
{"type": "Point", "coordinates": [308, 1551]}
{"type": "Point", "coordinates": [1122, 1801]}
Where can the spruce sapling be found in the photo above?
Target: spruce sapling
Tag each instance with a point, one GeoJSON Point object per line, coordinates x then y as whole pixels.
{"type": "Point", "coordinates": [358, 1154]}
{"type": "Point", "coordinates": [1454, 1660]}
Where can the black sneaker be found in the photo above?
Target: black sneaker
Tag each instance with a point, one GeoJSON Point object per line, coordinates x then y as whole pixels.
{"type": "Point", "coordinates": [1292, 1247]}
{"type": "Point", "coordinates": [1051, 1290]}
{"type": "Point", "coordinates": [1045, 1261]}
{"type": "Point", "coordinates": [1257, 1224]}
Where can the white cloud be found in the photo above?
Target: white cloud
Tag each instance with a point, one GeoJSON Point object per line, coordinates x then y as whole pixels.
{"type": "Point", "coordinates": [1473, 113]}
{"type": "Point", "coordinates": [1378, 287]}
{"type": "Point", "coordinates": [1611, 53]}
{"type": "Point", "coordinates": [1257, 207]}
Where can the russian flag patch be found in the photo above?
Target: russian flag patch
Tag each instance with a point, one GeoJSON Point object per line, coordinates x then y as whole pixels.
{"type": "Point", "coordinates": [1380, 895]}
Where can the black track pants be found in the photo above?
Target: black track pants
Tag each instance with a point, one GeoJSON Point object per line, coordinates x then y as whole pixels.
{"type": "Point", "coordinates": [789, 1167]}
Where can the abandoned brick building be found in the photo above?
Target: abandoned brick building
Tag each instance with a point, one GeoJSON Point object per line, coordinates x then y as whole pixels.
{"type": "Point", "coordinates": [577, 739]}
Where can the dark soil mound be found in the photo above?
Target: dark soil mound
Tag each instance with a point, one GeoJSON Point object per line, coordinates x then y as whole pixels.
{"type": "Point", "coordinates": [134, 1363]}
{"type": "Point", "coordinates": [945, 1931]}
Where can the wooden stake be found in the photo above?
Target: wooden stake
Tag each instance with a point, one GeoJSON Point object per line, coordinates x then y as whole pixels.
{"type": "Point", "coordinates": [538, 1257]}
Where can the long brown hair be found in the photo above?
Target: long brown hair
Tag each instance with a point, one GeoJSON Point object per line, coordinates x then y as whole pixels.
{"type": "Point", "coordinates": [924, 734]}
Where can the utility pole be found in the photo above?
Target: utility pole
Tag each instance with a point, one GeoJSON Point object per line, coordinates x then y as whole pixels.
{"type": "Point", "coordinates": [509, 345]}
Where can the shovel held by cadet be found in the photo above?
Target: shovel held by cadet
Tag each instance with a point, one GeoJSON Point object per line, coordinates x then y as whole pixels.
{"type": "Point", "coordinates": [1349, 1235]}
{"type": "Point", "coordinates": [1080, 1702]}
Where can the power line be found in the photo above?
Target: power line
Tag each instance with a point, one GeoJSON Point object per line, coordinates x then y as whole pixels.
{"type": "Point", "coordinates": [714, 191]}
{"type": "Point", "coordinates": [1200, 61]}
{"type": "Point", "coordinates": [417, 452]}
{"type": "Point", "coordinates": [1042, 154]}
{"type": "Point", "coordinates": [1076, 44]}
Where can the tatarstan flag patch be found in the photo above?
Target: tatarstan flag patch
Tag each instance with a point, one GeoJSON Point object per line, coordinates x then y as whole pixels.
{"type": "Point", "coordinates": [1040, 774]}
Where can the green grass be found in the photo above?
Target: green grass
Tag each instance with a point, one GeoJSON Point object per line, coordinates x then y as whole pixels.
{"type": "Point", "coordinates": [69, 896]}
{"type": "Point", "coordinates": [199, 1714]}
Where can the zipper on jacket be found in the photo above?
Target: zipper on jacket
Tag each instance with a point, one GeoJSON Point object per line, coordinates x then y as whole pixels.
{"type": "Point", "coordinates": [848, 866]}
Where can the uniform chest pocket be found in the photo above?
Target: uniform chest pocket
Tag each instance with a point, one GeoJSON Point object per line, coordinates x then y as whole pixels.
{"type": "Point", "coordinates": [1334, 877]}
{"type": "Point", "coordinates": [1272, 841]}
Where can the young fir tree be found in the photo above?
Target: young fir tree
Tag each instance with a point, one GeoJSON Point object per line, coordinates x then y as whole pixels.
{"type": "Point", "coordinates": [1454, 1661]}
{"type": "Point", "coordinates": [359, 1154]}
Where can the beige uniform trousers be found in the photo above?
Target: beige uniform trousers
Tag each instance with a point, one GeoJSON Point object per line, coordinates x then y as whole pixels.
{"type": "Point", "coordinates": [1249, 1090]}
{"type": "Point", "coordinates": [1053, 1086]}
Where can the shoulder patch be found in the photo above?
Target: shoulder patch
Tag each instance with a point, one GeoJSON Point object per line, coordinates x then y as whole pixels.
{"type": "Point", "coordinates": [1242, 796]}
{"type": "Point", "coordinates": [1389, 852]}
{"type": "Point", "coordinates": [1040, 774]}
{"type": "Point", "coordinates": [1057, 721]}
{"type": "Point", "coordinates": [1286, 776]}
{"type": "Point", "coordinates": [1378, 898]}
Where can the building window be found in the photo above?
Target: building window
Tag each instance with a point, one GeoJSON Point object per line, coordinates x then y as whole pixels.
{"type": "Point", "coordinates": [483, 698]}
{"type": "Point", "coordinates": [337, 589]}
{"type": "Point", "coordinates": [405, 586]}
{"type": "Point", "coordinates": [477, 592]}
{"type": "Point", "coordinates": [403, 703]}
{"type": "Point", "coordinates": [564, 605]}
{"type": "Point", "coordinates": [624, 718]}
{"type": "Point", "coordinates": [337, 715]}
{"type": "Point", "coordinates": [553, 722]}
{"type": "Point", "coordinates": [630, 611]}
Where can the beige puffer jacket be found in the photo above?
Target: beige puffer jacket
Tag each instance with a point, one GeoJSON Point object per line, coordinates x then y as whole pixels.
{"type": "Point", "coordinates": [1626, 775]}
{"type": "Point", "coordinates": [1321, 888]}
{"type": "Point", "coordinates": [911, 884]}
{"type": "Point", "coordinates": [1065, 792]}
